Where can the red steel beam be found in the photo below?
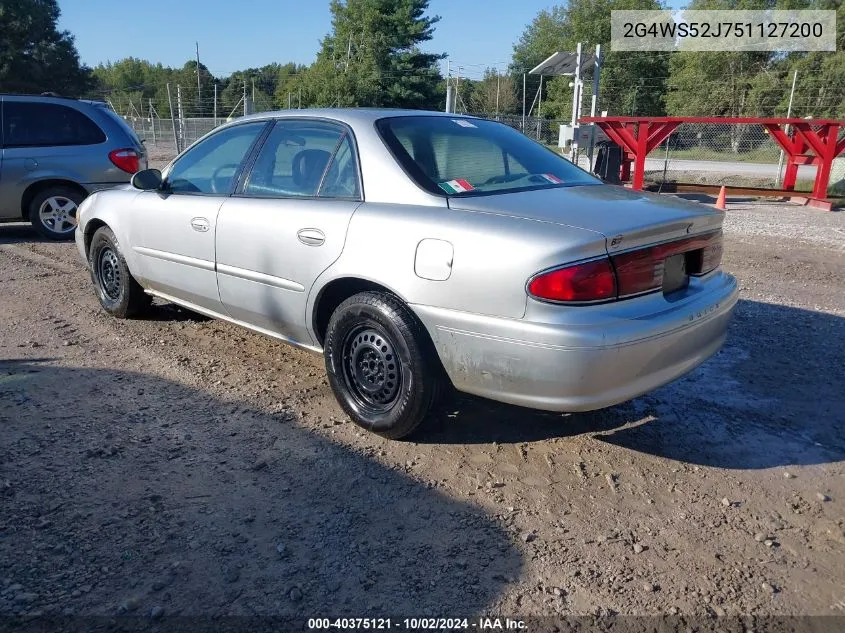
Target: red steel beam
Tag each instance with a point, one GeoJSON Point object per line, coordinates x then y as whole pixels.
{"type": "Point", "coordinates": [814, 142]}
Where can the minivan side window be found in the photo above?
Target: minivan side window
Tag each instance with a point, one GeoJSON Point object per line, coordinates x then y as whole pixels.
{"type": "Point", "coordinates": [210, 166]}
{"type": "Point", "coordinates": [27, 124]}
{"type": "Point", "coordinates": [300, 157]}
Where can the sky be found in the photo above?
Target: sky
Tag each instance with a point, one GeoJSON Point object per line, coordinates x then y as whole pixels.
{"type": "Point", "coordinates": [238, 35]}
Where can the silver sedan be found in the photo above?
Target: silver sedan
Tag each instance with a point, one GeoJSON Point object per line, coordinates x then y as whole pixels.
{"type": "Point", "coordinates": [415, 250]}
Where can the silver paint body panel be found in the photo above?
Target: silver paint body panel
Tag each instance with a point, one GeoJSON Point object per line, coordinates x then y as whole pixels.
{"type": "Point", "coordinates": [263, 263]}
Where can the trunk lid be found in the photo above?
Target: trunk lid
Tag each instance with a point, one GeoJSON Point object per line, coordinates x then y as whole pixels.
{"type": "Point", "coordinates": [627, 219]}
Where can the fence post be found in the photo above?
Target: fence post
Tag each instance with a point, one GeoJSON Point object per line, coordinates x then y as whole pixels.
{"type": "Point", "coordinates": [172, 118]}
{"type": "Point", "coordinates": [786, 127]}
{"type": "Point", "coordinates": [215, 103]}
{"type": "Point", "coordinates": [153, 121]}
{"type": "Point", "coordinates": [594, 104]}
{"type": "Point", "coordinates": [181, 117]}
{"type": "Point", "coordinates": [524, 88]}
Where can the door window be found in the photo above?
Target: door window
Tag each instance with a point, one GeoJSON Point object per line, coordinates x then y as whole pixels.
{"type": "Point", "coordinates": [300, 156]}
{"type": "Point", "coordinates": [210, 166]}
{"type": "Point", "coordinates": [27, 124]}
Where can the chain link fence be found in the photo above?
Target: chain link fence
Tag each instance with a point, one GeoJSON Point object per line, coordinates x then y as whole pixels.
{"type": "Point", "coordinates": [713, 154]}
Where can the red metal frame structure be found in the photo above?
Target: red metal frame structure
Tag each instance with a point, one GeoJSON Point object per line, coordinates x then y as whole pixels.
{"type": "Point", "coordinates": [810, 142]}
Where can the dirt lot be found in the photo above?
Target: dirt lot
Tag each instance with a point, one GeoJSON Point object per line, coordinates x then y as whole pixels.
{"type": "Point", "coordinates": [177, 465]}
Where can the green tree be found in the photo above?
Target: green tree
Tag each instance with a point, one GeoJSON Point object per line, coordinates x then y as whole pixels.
{"type": "Point", "coordinates": [372, 56]}
{"type": "Point", "coordinates": [34, 55]}
{"type": "Point", "coordinates": [494, 93]}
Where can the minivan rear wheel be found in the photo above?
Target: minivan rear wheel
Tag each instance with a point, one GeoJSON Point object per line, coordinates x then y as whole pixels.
{"type": "Point", "coordinates": [52, 212]}
{"type": "Point", "coordinates": [381, 365]}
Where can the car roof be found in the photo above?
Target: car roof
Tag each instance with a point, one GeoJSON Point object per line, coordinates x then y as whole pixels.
{"type": "Point", "coordinates": [53, 97]}
{"type": "Point", "coordinates": [347, 115]}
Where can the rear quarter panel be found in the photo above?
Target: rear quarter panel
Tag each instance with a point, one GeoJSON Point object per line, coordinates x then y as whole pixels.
{"type": "Point", "coordinates": [493, 255]}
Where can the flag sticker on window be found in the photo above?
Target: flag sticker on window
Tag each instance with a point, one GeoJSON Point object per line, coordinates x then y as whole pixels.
{"type": "Point", "coordinates": [456, 186]}
{"type": "Point", "coordinates": [552, 178]}
{"type": "Point", "coordinates": [464, 123]}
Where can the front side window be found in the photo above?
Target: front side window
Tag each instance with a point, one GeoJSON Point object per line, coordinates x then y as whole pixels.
{"type": "Point", "coordinates": [305, 159]}
{"type": "Point", "coordinates": [210, 166]}
{"type": "Point", "coordinates": [467, 157]}
{"type": "Point", "coordinates": [27, 124]}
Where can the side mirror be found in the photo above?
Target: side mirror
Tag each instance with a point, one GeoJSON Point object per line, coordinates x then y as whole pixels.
{"type": "Point", "coordinates": [146, 180]}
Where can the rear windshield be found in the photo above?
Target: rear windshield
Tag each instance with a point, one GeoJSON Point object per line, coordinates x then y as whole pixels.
{"type": "Point", "coordinates": [466, 157]}
{"type": "Point", "coordinates": [114, 116]}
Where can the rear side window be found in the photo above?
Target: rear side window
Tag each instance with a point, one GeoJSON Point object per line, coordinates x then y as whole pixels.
{"type": "Point", "coordinates": [304, 159]}
{"type": "Point", "coordinates": [47, 125]}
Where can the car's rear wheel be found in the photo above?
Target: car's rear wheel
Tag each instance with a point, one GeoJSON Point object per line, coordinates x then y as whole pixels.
{"type": "Point", "coordinates": [380, 364]}
{"type": "Point", "coordinates": [118, 292]}
{"type": "Point", "coordinates": [52, 212]}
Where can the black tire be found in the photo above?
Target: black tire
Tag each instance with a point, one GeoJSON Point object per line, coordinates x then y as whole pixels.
{"type": "Point", "coordinates": [381, 364]}
{"type": "Point", "coordinates": [118, 292]}
{"type": "Point", "coordinates": [52, 212]}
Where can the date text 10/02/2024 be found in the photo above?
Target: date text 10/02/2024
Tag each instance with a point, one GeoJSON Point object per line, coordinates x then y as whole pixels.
{"type": "Point", "coordinates": [418, 624]}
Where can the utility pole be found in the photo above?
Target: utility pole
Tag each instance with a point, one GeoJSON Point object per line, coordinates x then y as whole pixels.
{"type": "Point", "coordinates": [199, 90]}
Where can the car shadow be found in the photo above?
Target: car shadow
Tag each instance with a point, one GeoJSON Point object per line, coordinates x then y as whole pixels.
{"type": "Point", "coordinates": [132, 492]}
{"type": "Point", "coordinates": [165, 311]}
{"type": "Point", "coordinates": [771, 397]}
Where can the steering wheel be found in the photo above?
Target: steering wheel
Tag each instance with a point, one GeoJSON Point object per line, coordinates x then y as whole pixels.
{"type": "Point", "coordinates": [214, 185]}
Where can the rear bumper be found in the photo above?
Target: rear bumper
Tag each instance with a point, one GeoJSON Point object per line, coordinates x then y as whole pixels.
{"type": "Point", "coordinates": [583, 358]}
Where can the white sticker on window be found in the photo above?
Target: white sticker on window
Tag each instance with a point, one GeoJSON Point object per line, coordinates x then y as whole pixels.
{"type": "Point", "coordinates": [464, 123]}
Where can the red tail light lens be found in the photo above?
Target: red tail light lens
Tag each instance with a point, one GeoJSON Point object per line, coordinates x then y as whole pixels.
{"type": "Point", "coordinates": [638, 271]}
{"type": "Point", "coordinates": [125, 159]}
{"type": "Point", "coordinates": [590, 281]}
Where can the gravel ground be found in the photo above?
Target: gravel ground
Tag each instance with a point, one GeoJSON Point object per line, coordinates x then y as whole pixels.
{"type": "Point", "coordinates": [178, 465]}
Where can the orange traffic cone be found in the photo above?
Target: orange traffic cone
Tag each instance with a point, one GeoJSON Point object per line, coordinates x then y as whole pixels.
{"type": "Point", "coordinates": [720, 201]}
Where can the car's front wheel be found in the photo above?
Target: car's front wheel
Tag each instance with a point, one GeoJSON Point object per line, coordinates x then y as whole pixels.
{"type": "Point", "coordinates": [380, 364]}
{"type": "Point", "coordinates": [118, 292]}
{"type": "Point", "coordinates": [52, 212]}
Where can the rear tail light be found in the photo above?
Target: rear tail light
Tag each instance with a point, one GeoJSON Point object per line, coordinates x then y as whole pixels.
{"type": "Point", "coordinates": [125, 159]}
{"type": "Point", "coordinates": [590, 281]}
{"type": "Point", "coordinates": [626, 274]}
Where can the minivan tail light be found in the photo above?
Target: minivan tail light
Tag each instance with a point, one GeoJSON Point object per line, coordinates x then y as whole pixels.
{"type": "Point", "coordinates": [125, 159]}
{"type": "Point", "coordinates": [590, 281]}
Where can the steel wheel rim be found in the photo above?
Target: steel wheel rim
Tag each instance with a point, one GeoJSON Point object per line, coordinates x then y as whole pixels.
{"type": "Point", "coordinates": [109, 274]}
{"type": "Point", "coordinates": [371, 369]}
{"type": "Point", "coordinates": [58, 213]}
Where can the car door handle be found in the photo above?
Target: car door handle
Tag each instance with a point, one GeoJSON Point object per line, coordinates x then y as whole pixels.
{"type": "Point", "coordinates": [311, 237]}
{"type": "Point", "coordinates": [200, 224]}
